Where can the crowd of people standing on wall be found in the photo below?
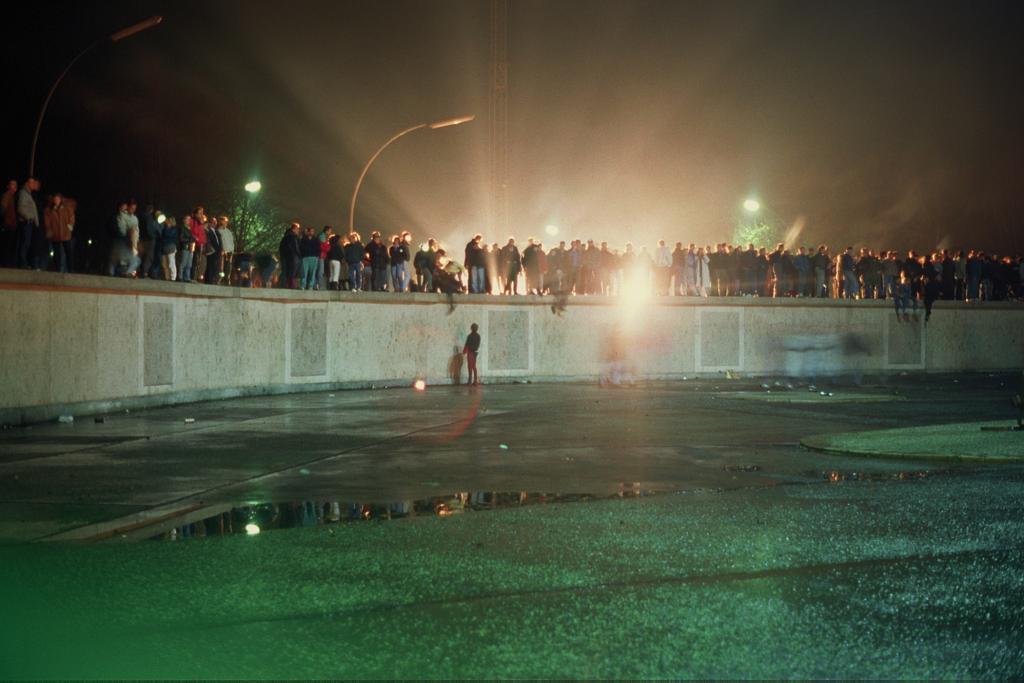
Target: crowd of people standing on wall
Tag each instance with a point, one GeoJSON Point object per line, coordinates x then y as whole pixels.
{"type": "Point", "coordinates": [201, 248]}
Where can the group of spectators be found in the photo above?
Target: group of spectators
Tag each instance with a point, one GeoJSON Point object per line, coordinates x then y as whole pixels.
{"type": "Point", "coordinates": [202, 249]}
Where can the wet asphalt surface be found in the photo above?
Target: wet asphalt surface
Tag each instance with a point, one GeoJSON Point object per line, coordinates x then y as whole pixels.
{"type": "Point", "coordinates": [535, 531]}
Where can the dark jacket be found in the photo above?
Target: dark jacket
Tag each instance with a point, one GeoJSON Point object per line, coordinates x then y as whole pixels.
{"type": "Point", "coordinates": [213, 243]}
{"type": "Point", "coordinates": [354, 253]}
{"type": "Point", "coordinates": [378, 254]}
{"type": "Point", "coordinates": [335, 253]}
{"type": "Point", "coordinates": [474, 256]}
{"type": "Point", "coordinates": [309, 247]}
{"type": "Point", "coordinates": [150, 228]}
{"type": "Point", "coordinates": [289, 248]}
{"type": "Point", "coordinates": [399, 254]}
{"type": "Point", "coordinates": [511, 261]}
{"type": "Point", "coordinates": [168, 239]}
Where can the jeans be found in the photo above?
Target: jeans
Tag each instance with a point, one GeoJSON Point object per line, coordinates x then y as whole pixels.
{"type": "Point", "coordinates": [427, 280]}
{"type": "Point", "coordinates": [185, 271]}
{"type": "Point", "coordinates": [477, 280]}
{"type": "Point", "coordinates": [850, 285]}
{"type": "Point", "coordinates": [318, 283]}
{"type": "Point", "coordinates": [972, 288]}
{"type": "Point", "coordinates": [355, 271]}
{"type": "Point", "coordinates": [820, 284]}
{"type": "Point", "coordinates": [133, 263]}
{"type": "Point", "coordinates": [380, 278]}
{"type": "Point", "coordinates": [309, 265]}
{"type": "Point", "coordinates": [167, 266]}
{"type": "Point", "coordinates": [24, 243]}
{"type": "Point", "coordinates": [147, 249]}
{"type": "Point", "coordinates": [400, 276]}
{"type": "Point", "coordinates": [65, 254]}
{"type": "Point", "coordinates": [213, 268]}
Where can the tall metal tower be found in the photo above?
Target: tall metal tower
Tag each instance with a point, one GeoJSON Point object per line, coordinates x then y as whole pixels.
{"type": "Point", "coordinates": [498, 212]}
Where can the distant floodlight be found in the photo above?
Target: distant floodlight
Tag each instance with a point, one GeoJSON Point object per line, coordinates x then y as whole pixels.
{"type": "Point", "coordinates": [161, 219]}
{"type": "Point", "coordinates": [252, 529]}
{"type": "Point", "coordinates": [419, 385]}
{"type": "Point", "coordinates": [551, 230]}
{"type": "Point", "coordinates": [253, 187]}
{"type": "Point", "coordinates": [752, 205]}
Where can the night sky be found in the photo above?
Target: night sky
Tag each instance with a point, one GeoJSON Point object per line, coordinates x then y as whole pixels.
{"type": "Point", "coordinates": [880, 123]}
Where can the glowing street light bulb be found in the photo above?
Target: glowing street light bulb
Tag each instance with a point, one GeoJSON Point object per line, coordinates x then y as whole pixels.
{"type": "Point", "coordinates": [752, 205]}
{"type": "Point", "coordinates": [252, 529]}
{"type": "Point", "coordinates": [551, 230]}
{"type": "Point", "coordinates": [253, 187]}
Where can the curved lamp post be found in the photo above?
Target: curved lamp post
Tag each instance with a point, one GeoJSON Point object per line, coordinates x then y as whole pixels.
{"type": "Point", "coordinates": [434, 126]}
{"type": "Point", "coordinates": [114, 37]}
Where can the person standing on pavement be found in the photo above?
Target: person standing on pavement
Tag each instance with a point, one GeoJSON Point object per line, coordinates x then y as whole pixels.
{"type": "Point", "coordinates": [471, 348]}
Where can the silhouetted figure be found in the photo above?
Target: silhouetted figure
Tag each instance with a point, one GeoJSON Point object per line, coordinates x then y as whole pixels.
{"type": "Point", "coordinates": [471, 349]}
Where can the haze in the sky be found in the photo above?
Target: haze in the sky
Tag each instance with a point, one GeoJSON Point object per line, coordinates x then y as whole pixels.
{"type": "Point", "coordinates": [882, 123]}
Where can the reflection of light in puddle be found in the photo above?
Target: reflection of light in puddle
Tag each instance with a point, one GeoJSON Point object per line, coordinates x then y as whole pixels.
{"type": "Point", "coordinates": [253, 518]}
{"type": "Point", "coordinates": [833, 476]}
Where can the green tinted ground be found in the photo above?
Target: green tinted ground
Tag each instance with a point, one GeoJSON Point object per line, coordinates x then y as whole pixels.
{"type": "Point", "coordinates": [902, 579]}
{"type": "Point", "coordinates": [797, 396]}
{"type": "Point", "coordinates": [757, 559]}
{"type": "Point", "coordinates": [960, 441]}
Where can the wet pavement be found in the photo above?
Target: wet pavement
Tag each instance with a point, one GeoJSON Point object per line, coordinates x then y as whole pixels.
{"type": "Point", "coordinates": [664, 530]}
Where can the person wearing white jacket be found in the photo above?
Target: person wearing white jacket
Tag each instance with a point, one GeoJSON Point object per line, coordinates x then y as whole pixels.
{"type": "Point", "coordinates": [703, 272]}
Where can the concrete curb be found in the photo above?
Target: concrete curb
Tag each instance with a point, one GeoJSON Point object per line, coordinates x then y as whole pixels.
{"type": "Point", "coordinates": [822, 443]}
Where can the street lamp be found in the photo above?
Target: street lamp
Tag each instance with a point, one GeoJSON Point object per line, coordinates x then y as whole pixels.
{"type": "Point", "coordinates": [445, 123]}
{"type": "Point", "coordinates": [752, 205]}
{"type": "Point", "coordinates": [114, 37]}
{"type": "Point", "coordinates": [253, 187]}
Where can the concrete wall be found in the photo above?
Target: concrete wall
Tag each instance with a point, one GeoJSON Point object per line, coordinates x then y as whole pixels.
{"type": "Point", "coordinates": [84, 344]}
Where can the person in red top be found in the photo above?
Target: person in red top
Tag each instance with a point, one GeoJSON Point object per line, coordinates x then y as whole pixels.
{"type": "Point", "coordinates": [197, 226]}
{"type": "Point", "coordinates": [325, 247]}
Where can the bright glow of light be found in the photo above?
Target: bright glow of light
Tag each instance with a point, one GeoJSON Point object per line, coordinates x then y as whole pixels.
{"type": "Point", "coordinates": [551, 230]}
{"type": "Point", "coordinates": [451, 122]}
{"type": "Point", "coordinates": [160, 218]}
{"type": "Point", "coordinates": [752, 205]}
{"type": "Point", "coordinates": [253, 187]}
{"type": "Point", "coordinates": [419, 385]}
{"type": "Point", "coordinates": [252, 529]}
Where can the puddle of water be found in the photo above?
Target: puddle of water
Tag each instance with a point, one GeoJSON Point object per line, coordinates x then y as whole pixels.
{"type": "Point", "coordinates": [254, 518]}
{"type": "Point", "coordinates": [834, 476]}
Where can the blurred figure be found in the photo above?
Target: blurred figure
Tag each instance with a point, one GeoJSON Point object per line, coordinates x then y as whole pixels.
{"type": "Point", "coordinates": [309, 249]}
{"type": "Point", "coordinates": [290, 257]}
{"type": "Point", "coordinates": [513, 265]}
{"type": "Point", "coordinates": [167, 247]}
{"type": "Point", "coordinates": [471, 348]}
{"type": "Point", "coordinates": [213, 252]}
{"type": "Point", "coordinates": [28, 223]}
{"type": "Point", "coordinates": [227, 246]}
{"type": "Point", "coordinates": [59, 219]}
{"type": "Point", "coordinates": [354, 252]}
{"type": "Point", "coordinates": [187, 248]}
